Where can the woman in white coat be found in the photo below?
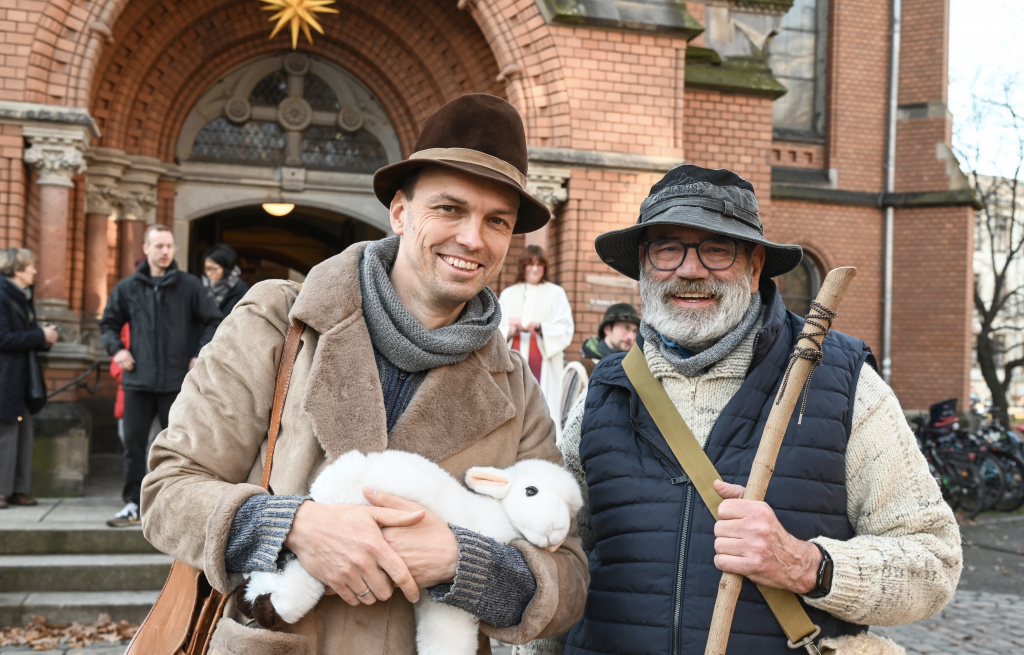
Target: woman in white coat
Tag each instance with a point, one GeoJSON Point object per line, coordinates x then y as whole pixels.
{"type": "Point", "coordinates": [537, 321]}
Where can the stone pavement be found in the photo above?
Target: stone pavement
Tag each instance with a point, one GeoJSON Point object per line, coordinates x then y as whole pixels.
{"type": "Point", "coordinates": [975, 622]}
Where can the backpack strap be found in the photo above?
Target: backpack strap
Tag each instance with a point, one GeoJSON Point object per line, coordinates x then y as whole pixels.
{"type": "Point", "coordinates": [702, 473]}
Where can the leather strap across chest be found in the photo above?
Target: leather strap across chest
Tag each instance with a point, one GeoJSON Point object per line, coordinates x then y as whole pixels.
{"type": "Point", "coordinates": [701, 471]}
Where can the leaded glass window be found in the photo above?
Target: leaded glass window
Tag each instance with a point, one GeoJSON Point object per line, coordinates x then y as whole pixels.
{"type": "Point", "coordinates": [291, 117]}
{"type": "Point", "coordinates": [255, 142]}
{"type": "Point", "coordinates": [800, 286]}
{"type": "Point", "coordinates": [333, 148]}
{"type": "Point", "coordinates": [797, 58]}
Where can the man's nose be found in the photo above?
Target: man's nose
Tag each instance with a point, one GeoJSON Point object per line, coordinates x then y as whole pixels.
{"type": "Point", "coordinates": [471, 234]}
{"type": "Point", "coordinates": [691, 266]}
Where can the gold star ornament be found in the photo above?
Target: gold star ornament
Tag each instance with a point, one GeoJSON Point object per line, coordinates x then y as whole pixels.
{"type": "Point", "coordinates": [298, 14]}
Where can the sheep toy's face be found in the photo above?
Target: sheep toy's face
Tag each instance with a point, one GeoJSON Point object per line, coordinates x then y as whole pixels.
{"type": "Point", "coordinates": [539, 498]}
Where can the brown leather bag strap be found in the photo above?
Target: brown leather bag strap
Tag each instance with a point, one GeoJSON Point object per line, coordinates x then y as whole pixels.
{"type": "Point", "coordinates": [284, 378]}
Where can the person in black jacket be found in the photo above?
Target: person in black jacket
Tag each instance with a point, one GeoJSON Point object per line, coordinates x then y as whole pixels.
{"type": "Point", "coordinates": [163, 305]}
{"type": "Point", "coordinates": [223, 277]}
{"type": "Point", "coordinates": [20, 334]}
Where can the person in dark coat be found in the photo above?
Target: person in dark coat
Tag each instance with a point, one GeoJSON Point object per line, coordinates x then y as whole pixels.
{"type": "Point", "coordinates": [163, 306]}
{"type": "Point", "coordinates": [223, 277]}
{"type": "Point", "coordinates": [616, 334]}
{"type": "Point", "coordinates": [20, 334]}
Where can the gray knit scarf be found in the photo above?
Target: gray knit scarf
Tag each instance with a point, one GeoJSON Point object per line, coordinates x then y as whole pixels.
{"type": "Point", "coordinates": [692, 365]}
{"type": "Point", "coordinates": [403, 340]}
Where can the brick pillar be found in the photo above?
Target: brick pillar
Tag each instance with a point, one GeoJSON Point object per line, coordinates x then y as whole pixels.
{"type": "Point", "coordinates": [131, 245]}
{"type": "Point", "coordinates": [57, 157]}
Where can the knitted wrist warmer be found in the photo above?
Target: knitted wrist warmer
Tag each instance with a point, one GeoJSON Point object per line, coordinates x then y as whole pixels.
{"type": "Point", "coordinates": [258, 532]}
{"type": "Point", "coordinates": [492, 581]}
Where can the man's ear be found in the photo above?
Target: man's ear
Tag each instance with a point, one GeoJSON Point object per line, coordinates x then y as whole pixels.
{"type": "Point", "coordinates": [756, 266]}
{"type": "Point", "coordinates": [488, 481]}
{"type": "Point", "coordinates": [399, 212]}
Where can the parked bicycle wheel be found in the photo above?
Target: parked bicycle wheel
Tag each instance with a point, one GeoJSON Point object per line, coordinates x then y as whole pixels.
{"type": "Point", "coordinates": [1013, 476]}
{"type": "Point", "coordinates": [971, 496]}
{"type": "Point", "coordinates": [991, 471]}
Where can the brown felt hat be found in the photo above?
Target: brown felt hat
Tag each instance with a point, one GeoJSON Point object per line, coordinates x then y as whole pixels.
{"type": "Point", "coordinates": [479, 134]}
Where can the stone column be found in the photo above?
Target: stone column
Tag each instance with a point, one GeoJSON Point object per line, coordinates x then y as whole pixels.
{"type": "Point", "coordinates": [106, 166]}
{"type": "Point", "coordinates": [57, 156]}
{"type": "Point", "coordinates": [547, 184]}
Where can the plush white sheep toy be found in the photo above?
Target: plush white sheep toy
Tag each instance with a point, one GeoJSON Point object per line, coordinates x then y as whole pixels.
{"type": "Point", "coordinates": [532, 499]}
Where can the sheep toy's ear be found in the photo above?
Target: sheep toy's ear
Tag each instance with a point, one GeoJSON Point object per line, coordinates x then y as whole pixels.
{"type": "Point", "coordinates": [489, 481]}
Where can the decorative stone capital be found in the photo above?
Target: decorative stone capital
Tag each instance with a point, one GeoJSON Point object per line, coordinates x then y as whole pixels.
{"type": "Point", "coordinates": [57, 158]}
{"type": "Point", "coordinates": [132, 205]}
{"type": "Point", "coordinates": [547, 184]}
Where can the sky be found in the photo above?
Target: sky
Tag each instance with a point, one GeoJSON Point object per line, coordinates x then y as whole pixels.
{"type": "Point", "coordinates": [986, 51]}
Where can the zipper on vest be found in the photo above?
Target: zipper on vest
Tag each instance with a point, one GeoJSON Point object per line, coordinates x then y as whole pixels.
{"type": "Point", "coordinates": [681, 571]}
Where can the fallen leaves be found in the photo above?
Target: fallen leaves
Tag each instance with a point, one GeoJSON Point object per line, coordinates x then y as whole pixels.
{"type": "Point", "coordinates": [41, 635]}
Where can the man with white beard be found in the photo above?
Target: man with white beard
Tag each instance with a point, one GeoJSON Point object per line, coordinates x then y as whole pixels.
{"type": "Point", "coordinates": [853, 524]}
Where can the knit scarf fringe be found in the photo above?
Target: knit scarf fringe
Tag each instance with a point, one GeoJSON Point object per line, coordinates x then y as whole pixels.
{"type": "Point", "coordinates": [692, 366]}
{"type": "Point", "coordinates": [398, 336]}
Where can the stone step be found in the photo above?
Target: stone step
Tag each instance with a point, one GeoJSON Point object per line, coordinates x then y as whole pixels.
{"type": "Point", "coordinates": [121, 572]}
{"type": "Point", "coordinates": [71, 538]}
{"type": "Point", "coordinates": [82, 606]}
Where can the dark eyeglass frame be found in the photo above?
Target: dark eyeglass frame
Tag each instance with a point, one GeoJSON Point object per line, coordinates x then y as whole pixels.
{"type": "Point", "coordinates": [696, 247]}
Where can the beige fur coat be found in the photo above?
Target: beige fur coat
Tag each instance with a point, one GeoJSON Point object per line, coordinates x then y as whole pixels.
{"type": "Point", "coordinates": [484, 411]}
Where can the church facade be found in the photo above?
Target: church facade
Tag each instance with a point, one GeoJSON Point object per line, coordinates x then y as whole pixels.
{"type": "Point", "coordinates": [116, 114]}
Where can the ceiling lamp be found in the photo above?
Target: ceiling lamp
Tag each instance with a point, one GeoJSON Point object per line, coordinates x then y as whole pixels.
{"type": "Point", "coordinates": [278, 208]}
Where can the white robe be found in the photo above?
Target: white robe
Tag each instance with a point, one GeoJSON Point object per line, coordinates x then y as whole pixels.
{"type": "Point", "coordinates": [547, 304]}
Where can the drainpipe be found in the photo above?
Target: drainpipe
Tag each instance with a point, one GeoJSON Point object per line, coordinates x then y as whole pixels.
{"type": "Point", "coordinates": [890, 187]}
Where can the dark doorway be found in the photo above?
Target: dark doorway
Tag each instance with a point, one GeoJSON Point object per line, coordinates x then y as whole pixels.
{"type": "Point", "coordinates": [271, 247]}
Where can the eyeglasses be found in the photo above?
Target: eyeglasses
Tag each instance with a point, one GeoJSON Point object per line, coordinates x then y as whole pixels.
{"type": "Point", "coordinates": [669, 254]}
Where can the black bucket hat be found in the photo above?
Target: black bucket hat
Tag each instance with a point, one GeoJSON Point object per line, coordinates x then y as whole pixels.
{"type": "Point", "coordinates": [716, 200]}
{"type": "Point", "coordinates": [621, 311]}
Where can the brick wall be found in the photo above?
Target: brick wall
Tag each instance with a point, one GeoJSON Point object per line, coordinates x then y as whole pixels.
{"type": "Point", "coordinates": [857, 94]}
{"type": "Point", "coordinates": [932, 307]}
{"type": "Point", "coordinates": [12, 187]}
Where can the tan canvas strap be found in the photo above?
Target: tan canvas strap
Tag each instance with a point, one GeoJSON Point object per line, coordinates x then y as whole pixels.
{"type": "Point", "coordinates": [284, 378]}
{"type": "Point", "coordinates": [784, 604]}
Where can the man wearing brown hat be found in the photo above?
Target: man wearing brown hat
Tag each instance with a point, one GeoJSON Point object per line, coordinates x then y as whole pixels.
{"type": "Point", "coordinates": [400, 350]}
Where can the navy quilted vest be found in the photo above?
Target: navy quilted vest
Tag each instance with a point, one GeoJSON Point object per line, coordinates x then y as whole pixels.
{"type": "Point", "coordinates": [653, 578]}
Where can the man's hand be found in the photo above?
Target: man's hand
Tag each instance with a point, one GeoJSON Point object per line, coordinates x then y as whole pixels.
{"type": "Point", "coordinates": [514, 327]}
{"type": "Point", "coordinates": [428, 548]}
{"type": "Point", "coordinates": [124, 359]}
{"type": "Point", "coordinates": [750, 541]}
{"type": "Point", "coordinates": [342, 546]}
{"type": "Point", "coordinates": [50, 334]}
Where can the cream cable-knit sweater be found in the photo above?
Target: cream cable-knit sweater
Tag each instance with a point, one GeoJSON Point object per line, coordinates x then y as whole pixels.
{"type": "Point", "coordinates": [904, 562]}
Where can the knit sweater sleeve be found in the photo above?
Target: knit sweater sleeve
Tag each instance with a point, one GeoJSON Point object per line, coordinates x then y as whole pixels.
{"type": "Point", "coordinates": [904, 562]}
{"type": "Point", "coordinates": [258, 532]}
{"type": "Point", "coordinates": [492, 581]}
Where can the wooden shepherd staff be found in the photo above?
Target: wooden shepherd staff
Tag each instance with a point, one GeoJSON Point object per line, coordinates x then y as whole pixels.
{"type": "Point", "coordinates": [806, 355]}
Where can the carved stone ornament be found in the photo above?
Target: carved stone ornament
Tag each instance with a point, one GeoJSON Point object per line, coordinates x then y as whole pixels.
{"type": "Point", "coordinates": [548, 187]}
{"type": "Point", "coordinates": [350, 118]}
{"type": "Point", "coordinates": [237, 110]}
{"type": "Point", "coordinates": [56, 158]}
{"type": "Point", "coordinates": [98, 199]}
{"type": "Point", "coordinates": [294, 114]}
{"type": "Point", "coordinates": [296, 63]}
{"type": "Point", "coordinates": [132, 205]}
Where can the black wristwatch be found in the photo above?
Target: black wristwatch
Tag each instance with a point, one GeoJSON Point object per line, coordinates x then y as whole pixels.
{"type": "Point", "coordinates": [824, 576]}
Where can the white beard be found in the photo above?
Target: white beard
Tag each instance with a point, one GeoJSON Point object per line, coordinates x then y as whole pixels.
{"type": "Point", "coordinates": [695, 329]}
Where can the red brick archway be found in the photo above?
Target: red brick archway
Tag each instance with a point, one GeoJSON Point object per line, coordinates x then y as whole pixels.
{"type": "Point", "coordinates": [414, 58]}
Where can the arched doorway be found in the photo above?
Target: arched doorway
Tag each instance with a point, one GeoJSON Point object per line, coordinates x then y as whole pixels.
{"type": "Point", "coordinates": [293, 129]}
{"type": "Point", "coordinates": [272, 247]}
